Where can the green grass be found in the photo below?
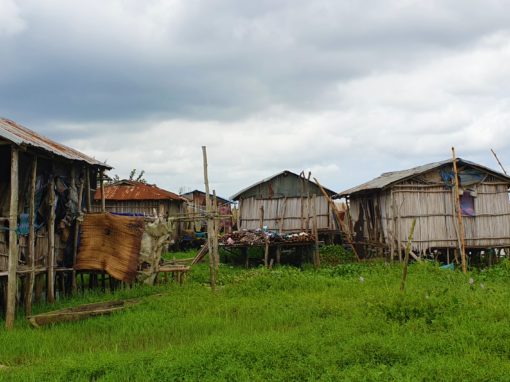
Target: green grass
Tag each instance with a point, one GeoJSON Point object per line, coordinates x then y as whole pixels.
{"type": "Point", "coordinates": [347, 322]}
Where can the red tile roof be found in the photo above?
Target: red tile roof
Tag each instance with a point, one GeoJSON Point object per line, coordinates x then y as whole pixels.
{"type": "Point", "coordinates": [132, 190]}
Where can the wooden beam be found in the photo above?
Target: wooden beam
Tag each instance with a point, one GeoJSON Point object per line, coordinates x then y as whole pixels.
{"type": "Point", "coordinates": [13, 240]}
{"type": "Point", "coordinates": [31, 239]}
{"type": "Point", "coordinates": [51, 242]}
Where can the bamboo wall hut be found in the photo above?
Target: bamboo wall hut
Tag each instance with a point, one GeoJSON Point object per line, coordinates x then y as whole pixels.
{"type": "Point", "coordinates": [284, 202]}
{"type": "Point", "coordinates": [382, 210]}
{"type": "Point", "coordinates": [129, 197]}
{"type": "Point", "coordinates": [196, 205]}
{"type": "Point", "coordinates": [44, 187]}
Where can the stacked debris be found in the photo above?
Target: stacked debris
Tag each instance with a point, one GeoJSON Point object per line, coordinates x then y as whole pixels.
{"type": "Point", "coordinates": [260, 237]}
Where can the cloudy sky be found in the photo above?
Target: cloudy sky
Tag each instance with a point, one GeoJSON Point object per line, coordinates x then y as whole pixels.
{"type": "Point", "coordinates": [345, 89]}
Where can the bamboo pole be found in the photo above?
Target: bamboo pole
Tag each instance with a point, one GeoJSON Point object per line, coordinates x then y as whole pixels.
{"type": "Point", "coordinates": [89, 200]}
{"type": "Point", "coordinates": [406, 256]}
{"type": "Point", "coordinates": [13, 240]}
{"type": "Point", "coordinates": [77, 234]}
{"type": "Point", "coordinates": [51, 242]}
{"type": "Point", "coordinates": [216, 233]}
{"type": "Point", "coordinates": [317, 261]}
{"type": "Point", "coordinates": [31, 239]}
{"type": "Point", "coordinates": [500, 165]}
{"type": "Point", "coordinates": [462, 247]}
{"type": "Point", "coordinates": [212, 267]}
{"type": "Point", "coordinates": [348, 234]}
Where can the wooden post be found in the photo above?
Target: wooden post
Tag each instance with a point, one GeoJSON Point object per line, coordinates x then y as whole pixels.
{"type": "Point", "coordinates": [261, 217]}
{"type": "Point", "coordinates": [212, 267]}
{"type": "Point", "coordinates": [266, 253]}
{"type": "Point", "coordinates": [13, 241]}
{"type": "Point", "coordinates": [31, 239]}
{"type": "Point", "coordinates": [51, 242]}
{"type": "Point", "coordinates": [317, 261]}
{"type": "Point", "coordinates": [215, 234]}
{"type": "Point", "coordinates": [346, 230]}
{"type": "Point", "coordinates": [77, 234]}
{"type": "Point", "coordinates": [462, 248]}
{"type": "Point", "coordinates": [89, 200]}
{"type": "Point", "coordinates": [406, 256]}
{"type": "Point", "coordinates": [103, 200]}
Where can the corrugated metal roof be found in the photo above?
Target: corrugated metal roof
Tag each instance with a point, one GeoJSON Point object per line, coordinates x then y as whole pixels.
{"type": "Point", "coordinates": [285, 172]}
{"type": "Point", "coordinates": [189, 196]}
{"type": "Point", "coordinates": [20, 135]}
{"type": "Point", "coordinates": [388, 178]}
{"type": "Point", "coordinates": [132, 190]}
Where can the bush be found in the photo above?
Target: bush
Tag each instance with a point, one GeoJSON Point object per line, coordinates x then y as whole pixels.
{"type": "Point", "coordinates": [336, 254]}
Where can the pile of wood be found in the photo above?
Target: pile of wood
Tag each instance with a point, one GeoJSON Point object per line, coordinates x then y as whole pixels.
{"type": "Point", "coordinates": [260, 237]}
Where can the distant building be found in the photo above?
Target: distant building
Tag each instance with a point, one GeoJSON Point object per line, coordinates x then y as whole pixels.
{"type": "Point", "coordinates": [283, 202]}
{"type": "Point", "coordinates": [196, 204]}
{"type": "Point", "coordinates": [136, 198]}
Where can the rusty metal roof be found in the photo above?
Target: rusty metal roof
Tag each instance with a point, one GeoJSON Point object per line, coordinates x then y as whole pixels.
{"type": "Point", "coordinates": [21, 136]}
{"type": "Point", "coordinates": [389, 178]}
{"type": "Point", "coordinates": [132, 190]}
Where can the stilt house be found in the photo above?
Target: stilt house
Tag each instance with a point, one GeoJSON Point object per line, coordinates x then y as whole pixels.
{"type": "Point", "coordinates": [382, 210]}
{"type": "Point", "coordinates": [130, 197]}
{"type": "Point", "coordinates": [44, 186]}
{"type": "Point", "coordinates": [285, 202]}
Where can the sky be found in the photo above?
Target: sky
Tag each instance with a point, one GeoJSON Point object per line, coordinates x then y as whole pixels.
{"type": "Point", "coordinates": [344, 89]}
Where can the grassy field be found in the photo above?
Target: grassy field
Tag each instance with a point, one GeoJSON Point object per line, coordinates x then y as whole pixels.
{"type": "Point", "coordinates": [347, 322]}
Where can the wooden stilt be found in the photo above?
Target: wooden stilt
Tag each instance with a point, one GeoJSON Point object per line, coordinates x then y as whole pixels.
{"type": "Point", "coordinates": [51, 242]}
{"type": "Point", "coordinates": [13, 241]}
{"type": "Point", "coordinates": [317, 261]}
{"type": "Point", "coordinates": [31, 239]}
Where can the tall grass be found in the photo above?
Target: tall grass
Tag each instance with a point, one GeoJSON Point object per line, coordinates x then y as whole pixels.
{"type": "Point", "coordinates": [347, 322]}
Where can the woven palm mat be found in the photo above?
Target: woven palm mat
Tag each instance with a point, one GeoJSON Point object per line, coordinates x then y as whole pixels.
{"type": "Point", "coordinates": [110, 243]}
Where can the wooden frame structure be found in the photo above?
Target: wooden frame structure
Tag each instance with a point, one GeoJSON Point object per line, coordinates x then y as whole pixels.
{"type": "Point", "coordinates": [381, 211]}
{"type": "Point", "coordinates": [45, 183]}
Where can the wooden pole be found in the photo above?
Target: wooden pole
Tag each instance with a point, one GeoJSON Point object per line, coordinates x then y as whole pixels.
{"type": "Point", "coordinates": [31, 238]}
{"type": "Point", "coordinates": [103, 200]}
{"type": "Point", "coordinates": [215, 233]}
{"type": "Point", "coordinates": [406, 256]}
{"type": "Point", "coordinates": [317, 261]}
{"type": "Point", "coordinates": [500, 165]}
{"type": "Point", "coordinates": [261, 217]}
{"type": "Point", "coordinates": [212, 267]}
{"type": "Point", "coordinates": [13, 240]}
{"type": "Point", "coordinates": [89, 199]}
{"type": "Point", "coordinates": [462, 248]}
{"type": "Point", "coordinates": [282, 217]}
{"type": "Point", "coordinates": [51, 242]}
{"type": "Point", "coordinates": [341, 226]}
{"type": "Point", "coordinates": [77, 234]}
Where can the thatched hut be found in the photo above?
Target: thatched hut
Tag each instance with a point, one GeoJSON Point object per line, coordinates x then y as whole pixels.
{"type": "Point", "coordinates": [284, 202]}
{"type": "Point", "coordinates": [382, 210]}
{"type": "Point", "coordinates": [44, 186]}
{"type": "Point", "coordinates": [130, 197]}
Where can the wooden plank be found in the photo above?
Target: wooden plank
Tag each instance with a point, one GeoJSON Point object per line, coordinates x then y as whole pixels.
{"type": "Point", "coordinates": [31, 239]}
{"type": "Point", "coordinates": [13, 240]}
